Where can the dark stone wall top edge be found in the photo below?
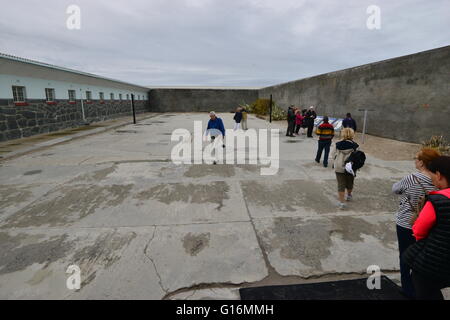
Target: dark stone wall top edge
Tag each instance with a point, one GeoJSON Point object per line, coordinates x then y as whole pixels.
{"type": "Point", "coordinates": [445, 49]}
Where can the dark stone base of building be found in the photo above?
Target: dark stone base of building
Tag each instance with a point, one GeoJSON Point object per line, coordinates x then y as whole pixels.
{"type": "Point", "coordinates": [38, 117]}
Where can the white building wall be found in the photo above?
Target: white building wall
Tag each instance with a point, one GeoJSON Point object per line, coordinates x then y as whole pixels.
{"type": "Point", "coordinates": [35, 89]}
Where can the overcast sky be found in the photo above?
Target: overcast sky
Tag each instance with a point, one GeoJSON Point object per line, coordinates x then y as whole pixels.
{"type": "Point", "coordinates": [219, 42]}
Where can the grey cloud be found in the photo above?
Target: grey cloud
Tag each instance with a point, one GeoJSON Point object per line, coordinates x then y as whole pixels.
{"type": "Point", "coordinates": [215, 42]}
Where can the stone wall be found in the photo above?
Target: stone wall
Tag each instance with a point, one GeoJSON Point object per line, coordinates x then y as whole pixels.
{"type": "Point", "coordinates": [409, 96]}
{"type": "Point", "coordinates": [38, 117]}
{"type": "Point", "coordinates": [199, 100]}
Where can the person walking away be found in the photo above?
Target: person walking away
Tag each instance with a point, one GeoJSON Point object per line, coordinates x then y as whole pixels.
{"type": "Point", "coordinates": [349, 122]}
{"type": "Point", "coordinates": [412, 189]}
{"type": "Point", "coordinates": [311, 115]}
{"type": "Point", "coordinates": [244, 119]}
{"type": "Point", "coordinates": [429, 257]}
{"type": "Point", "coordinates": [326, 134]}
{"type": "Point", "coordinates": [345, 180]}
{"type": "Point", "coordinates": [298, 122]}
{"type": "Point", "coordinates": [291, 122]}
{"type": "Point", "coordinates": [237, 118]}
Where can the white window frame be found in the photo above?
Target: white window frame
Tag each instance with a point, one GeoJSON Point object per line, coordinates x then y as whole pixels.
{"type": "Point", "coordinates": [112, 96]}
{"type": "Point", "coordinates": [120, 96]}
{"type": "Point", "coordinates": [50, 94]}
{"type": "Point", "coordinates": [101, 95]}
{"type": "Point", "coordinates": [19, 92]}
{"type": "Point", "coordinates": [88, 95]}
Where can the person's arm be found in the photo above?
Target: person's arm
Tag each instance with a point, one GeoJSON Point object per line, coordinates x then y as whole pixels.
{"type": "Point", "coordinates": [221, 127]}
{"type": "Point", "coordinates": [207, 128]}
{"type": "Point", "coordinates": [425, 222]}
{"type": "Point", "coordinates": [400, 187]}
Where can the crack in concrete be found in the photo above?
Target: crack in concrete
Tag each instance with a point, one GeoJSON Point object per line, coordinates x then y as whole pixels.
{"type": "Point", "coordinates": [153, 262]}
{"type": "Point", "coordinates": [270, 269]}
{"type": "Point", "coordinates": [269, 281]}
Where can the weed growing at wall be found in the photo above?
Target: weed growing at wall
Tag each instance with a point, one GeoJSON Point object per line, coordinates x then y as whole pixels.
{"type": "Point", "coordinates": [439, 143]}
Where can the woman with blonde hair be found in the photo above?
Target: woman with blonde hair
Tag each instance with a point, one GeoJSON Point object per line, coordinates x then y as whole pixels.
{"type": "Point", "coordinates": [345, 180]}
{"type": "Point", "coordinates": [413, 189]}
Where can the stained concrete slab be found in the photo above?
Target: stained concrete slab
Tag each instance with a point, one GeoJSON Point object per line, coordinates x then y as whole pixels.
{"type": "Point", "coordinates": [204, 254]}
{"type": "Point", "coordinates": [33, 264]}
{"type": "Point", "coordinates": [327, 245]}
{"type": "Point", "coordinates": [142, 227]}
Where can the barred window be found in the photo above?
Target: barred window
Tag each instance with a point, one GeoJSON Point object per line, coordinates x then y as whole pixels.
{"type": "Point", "coordinates": [128, 97]}
{"type": "Point", "coordinates": [88, 95]}
{"type": "Point", "coordinates": [18, 94]}
{"type": "Point", "coordinates": [120, 96]}
{"type": "Point", "coordinates": [72, 95]}
{"type": "Point", "coordinates": [112, 96]}
{"type": "Point", "coordinates": [50, 94]}
{"type": "Point", "coordinates": [102, 96]}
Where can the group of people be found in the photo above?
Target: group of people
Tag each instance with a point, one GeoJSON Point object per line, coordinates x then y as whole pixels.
{"type": "Point", "coordinates": [240, 119]}
{"type": "Point", "coordinates": [423, 226]}
{"type": "Point", "coordinates": [423, 218]}
{"type": "Point", "coordinates": [300, 120]}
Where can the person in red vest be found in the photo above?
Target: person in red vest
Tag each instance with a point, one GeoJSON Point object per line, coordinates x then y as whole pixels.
{"type": "Point", "coordinates": [429, 257]}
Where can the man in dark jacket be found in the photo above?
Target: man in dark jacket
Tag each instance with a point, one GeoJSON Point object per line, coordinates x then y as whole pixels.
{"type": "Point", "coordinates": [310, 116]}
{"type": "Point", "coordinates": [291, 122]}
{"type": "Point", "coordinates": [349, 122]}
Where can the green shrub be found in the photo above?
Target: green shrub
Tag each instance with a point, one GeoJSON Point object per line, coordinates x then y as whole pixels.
{"type": "Point", "coordinates": [439, 143]}
{"type": "Point", "coordinates": [261, 107]}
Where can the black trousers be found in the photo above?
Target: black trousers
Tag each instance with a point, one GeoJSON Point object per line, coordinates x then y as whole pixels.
{"type": "Point", "coordinates": [291, 127]}
{"type": "Point", "coordinates": [323, 145]}
{"type": "Point", "coordinates": [427, 289]}
{"type": "Point", "coordinates": [297, 128]}
{"type": "Point", "coordinates": [310, 128]}
{"type": "Point", "coordinates": [405, 239]}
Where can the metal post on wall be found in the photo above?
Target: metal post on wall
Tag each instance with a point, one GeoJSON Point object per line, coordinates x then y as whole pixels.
{"type": "Point", "coordinates": [82, 105]}
{"type": "Point", "coordinates": [134, 110]}
{"type": "Point", "coordinates": [366, 113]}
{"type": "Point", "coordinates": [270, 108]}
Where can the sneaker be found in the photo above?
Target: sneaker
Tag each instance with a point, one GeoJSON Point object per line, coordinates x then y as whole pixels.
{"type": "Point", "coordinates": [342, 206]}
{"type": "Point", "coordinates": [348, 197]}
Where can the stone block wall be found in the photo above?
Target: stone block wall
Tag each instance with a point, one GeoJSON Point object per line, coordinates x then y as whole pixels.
{"type": "Point", "coordinates": [38, 117]}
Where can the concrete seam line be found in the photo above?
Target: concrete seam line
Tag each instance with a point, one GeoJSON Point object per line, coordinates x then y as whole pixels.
{"type": "Point", "coordinates": [270, 269]}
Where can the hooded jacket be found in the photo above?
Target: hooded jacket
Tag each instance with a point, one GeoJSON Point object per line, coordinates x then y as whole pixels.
{"type": "Point", "coordinates": [343, 150]}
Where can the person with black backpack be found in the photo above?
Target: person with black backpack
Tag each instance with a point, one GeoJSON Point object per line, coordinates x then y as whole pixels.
{"type": "Point", "coordinates": [345, 179]}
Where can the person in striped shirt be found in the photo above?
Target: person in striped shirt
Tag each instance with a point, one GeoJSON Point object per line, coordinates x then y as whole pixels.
{"type": "Point", "coordinates": [412, 189]}
{"type": "Point", "coordinates": [326, 134]}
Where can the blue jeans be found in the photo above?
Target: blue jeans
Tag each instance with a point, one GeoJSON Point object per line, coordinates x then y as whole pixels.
{"type": "Point", "coordinates": [323, 145]}
{"type": "Point", "coordinates": [405, 240]}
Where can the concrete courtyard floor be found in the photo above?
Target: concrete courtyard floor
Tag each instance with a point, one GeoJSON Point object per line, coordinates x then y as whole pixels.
{"type": "Point", "coordinates": [141, 227]}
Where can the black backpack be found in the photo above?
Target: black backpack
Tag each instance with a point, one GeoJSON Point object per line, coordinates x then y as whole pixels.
{"type": "Point", "coordinates": [358, 158]}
